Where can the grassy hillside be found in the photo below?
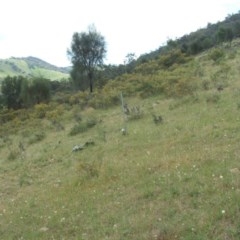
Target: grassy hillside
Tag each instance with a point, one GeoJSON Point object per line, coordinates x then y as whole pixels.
{"type": "Point", "coordinates": [31, 67]}
{"type": "Point", "coordinates": [178, 178]}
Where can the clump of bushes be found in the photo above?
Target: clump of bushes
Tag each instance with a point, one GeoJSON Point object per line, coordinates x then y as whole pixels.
{"type": "Point", "coordinates": [216, 54]}
{"type": "Point", "coordinates": [104, 98]}
{"type": "Point", "coordinates": [55, 116]}
{"type": "Point", "coordinates": [40, 110]}
{"type": "Point", "coordinates": [82, 126]}
{"type": "Point", "coordinates": [174, 57]}
{"type": "Point", "coordinates": [9, 115]}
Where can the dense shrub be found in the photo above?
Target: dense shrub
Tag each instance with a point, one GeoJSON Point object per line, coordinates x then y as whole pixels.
{"type": "Point", "coordinates": [78, 128]}
{"type": "Point", "coordinates": [216, 54]}
{"type": "Point", "coordinates": [174, 57]}
{"type": "Point", "coordinates": [40, 110]}
{"type": "Point", "coordinates": [53, 113]}
{"type": "Point", "coordinates": [10, 115]}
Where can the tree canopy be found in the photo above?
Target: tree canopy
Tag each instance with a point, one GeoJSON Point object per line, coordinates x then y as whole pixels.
{"type": "Point", "coordinates": [88, 50]}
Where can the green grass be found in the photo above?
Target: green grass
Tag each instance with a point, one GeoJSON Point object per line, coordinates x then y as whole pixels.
{"type": "Point", "coordinates": [176, 180]}
{"type": "Point", "coordinates": [179, 179]}
{"type": "Point", "coordinates": [49, 74]}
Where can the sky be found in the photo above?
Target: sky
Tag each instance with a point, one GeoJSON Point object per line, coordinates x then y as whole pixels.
{"type": "Point", "coordinates": [44, 28]}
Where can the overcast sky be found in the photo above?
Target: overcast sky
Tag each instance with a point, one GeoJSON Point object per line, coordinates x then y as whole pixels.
{"type": "Point", "coordinates": [44, 28]}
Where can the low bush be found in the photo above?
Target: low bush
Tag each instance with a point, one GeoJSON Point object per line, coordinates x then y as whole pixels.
{"type": "Point", "coordinates": [54, 115]}
{"type": "Point", "coordinates": [78, 128]}
{"type": "Point", "coordinates": [82, 126]}
{"type": "Point", "coordinates": [40, 110]}
{"type": "Point", "coordinates": [36, 137]}
{"type": "Point", "coordinates": [216, 55]}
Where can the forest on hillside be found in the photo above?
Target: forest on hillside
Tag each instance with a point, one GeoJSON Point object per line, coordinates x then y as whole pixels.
{"type": "Point", "coordinates": [202, 39]}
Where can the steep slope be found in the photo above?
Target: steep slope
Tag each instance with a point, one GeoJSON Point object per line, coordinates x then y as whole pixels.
{"type": "Point", "coordinates": [178, 178]}
{"type": "Point", "coordinates": [175, 179]}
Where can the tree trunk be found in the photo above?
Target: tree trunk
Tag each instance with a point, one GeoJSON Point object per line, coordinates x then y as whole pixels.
{"type": "Point", "coordinates": [91, 86]}
{"type": "Point", "coordinates": [90, 76]}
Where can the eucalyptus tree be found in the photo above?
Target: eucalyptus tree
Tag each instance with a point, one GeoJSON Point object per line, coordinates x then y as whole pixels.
{"type": "Point", "coordinates": [87, 52]}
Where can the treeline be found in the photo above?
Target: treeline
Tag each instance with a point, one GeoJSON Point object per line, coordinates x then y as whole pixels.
{"type": "Point", "coordinates": [212, 35]}
{"type": "Point", "coordinates": [19, 92]}
{"type": "Point", "coordinates": [200, 40]}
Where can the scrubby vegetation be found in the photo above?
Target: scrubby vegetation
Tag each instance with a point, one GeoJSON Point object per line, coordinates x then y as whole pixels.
{"type": "Point", "coordinates": [175, 174]}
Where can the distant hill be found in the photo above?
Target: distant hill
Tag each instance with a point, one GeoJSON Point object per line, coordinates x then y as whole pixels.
{"type": "Point", "coordinates": [32, 67]}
